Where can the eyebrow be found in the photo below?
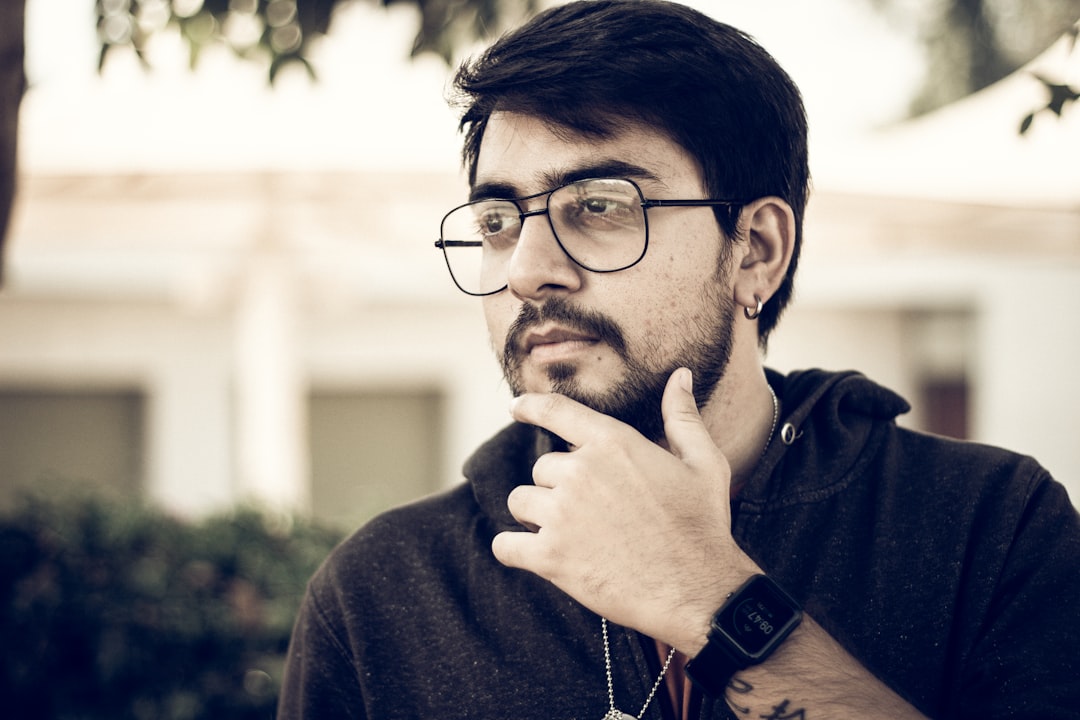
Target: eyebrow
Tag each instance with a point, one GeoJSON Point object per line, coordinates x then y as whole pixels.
{"type": "Point", "coordinates": [552, 179]}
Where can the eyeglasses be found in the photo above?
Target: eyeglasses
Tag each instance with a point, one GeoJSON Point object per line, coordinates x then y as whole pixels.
{"type": "Point", "coordinates": [600, 223]}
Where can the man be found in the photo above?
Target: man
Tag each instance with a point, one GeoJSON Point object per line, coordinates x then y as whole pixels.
{"type": "Point", "coordinates": [668, 529]}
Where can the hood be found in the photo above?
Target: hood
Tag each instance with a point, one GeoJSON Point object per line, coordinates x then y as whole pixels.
{"type": "Point", "coordinates": [501, 464]}
{"type": "Point", "coordinates": [825, 427]}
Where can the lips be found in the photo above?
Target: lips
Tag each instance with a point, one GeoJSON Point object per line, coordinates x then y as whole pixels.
{"type": "Point", "coordinates": [555, 336]}
{"type": "Point", "coordinates": [556, 333]}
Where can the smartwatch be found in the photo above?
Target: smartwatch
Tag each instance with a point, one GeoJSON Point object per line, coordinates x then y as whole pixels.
{"type": "Point", "coordinates": [752, 623]}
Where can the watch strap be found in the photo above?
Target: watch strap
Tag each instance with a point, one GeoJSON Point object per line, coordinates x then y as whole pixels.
{"type": "Point", "coordinates": [713, 667]}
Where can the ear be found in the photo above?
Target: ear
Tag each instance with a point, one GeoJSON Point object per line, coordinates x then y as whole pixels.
{"type": "Point", "coordinates": [768, 226]}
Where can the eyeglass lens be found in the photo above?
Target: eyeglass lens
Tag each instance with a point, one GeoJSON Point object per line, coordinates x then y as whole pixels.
{"type": "Point", "coordinates": [599, 223]}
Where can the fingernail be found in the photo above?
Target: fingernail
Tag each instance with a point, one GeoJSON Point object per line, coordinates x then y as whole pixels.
{"type": "Point", "coordinates": [686, 379]}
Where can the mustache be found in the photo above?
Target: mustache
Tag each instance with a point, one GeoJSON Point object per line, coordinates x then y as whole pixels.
{"type": "Point", "coordinates": [559, 310]}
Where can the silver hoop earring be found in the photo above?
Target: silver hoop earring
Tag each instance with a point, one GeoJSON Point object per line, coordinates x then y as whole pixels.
{"type": "Point", "coordinates": [753, 314]}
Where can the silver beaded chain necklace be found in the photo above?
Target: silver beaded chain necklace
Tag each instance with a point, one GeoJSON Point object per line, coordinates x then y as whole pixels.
{"type": "Point", "coordinates": [775, 418]}
{"type": "Point", "coordinates": [615, 714]}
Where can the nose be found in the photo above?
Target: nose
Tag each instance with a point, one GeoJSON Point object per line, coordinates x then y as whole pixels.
{"type": "Point", "coordinates": [539, 267]}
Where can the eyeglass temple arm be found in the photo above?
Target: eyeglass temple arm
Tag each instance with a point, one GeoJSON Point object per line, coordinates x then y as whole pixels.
{"type": "Point", "coordinates": [457, 243]}
{"type": "Point", "coordinates": [688, 203]}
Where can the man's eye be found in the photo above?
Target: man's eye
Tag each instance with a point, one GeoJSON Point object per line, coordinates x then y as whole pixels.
{"type": "Point", "coordinates": [601, 212]}
{"type": "Point", "coordinates": [493, 222]}
{"type": "Point", "coordinates": [600, 205]}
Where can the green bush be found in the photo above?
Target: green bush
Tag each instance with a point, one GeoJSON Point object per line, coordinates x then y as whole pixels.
{"type": "Point", "coordinates": [109, 610]}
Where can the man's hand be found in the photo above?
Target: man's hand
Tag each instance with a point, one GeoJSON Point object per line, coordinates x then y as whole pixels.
{"type": "Point", "coordinates": [637, 533]}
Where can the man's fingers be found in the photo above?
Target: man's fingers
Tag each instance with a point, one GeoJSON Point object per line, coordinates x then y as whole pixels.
{"type": "Point", "coordinates": [526, 551]}
{"type": "Point", "coordinates": [530, 505]}
{"type": "Point", "coordinates": [573, 422]}
{"type": "Point", "coordinates": [509, 548]}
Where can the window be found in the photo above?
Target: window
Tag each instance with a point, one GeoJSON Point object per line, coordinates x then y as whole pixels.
{"type": "Point", "coordinates": [89, 437]}
{"type": "Point", "coordinates": [939, 345]}
{"type": "Point", "coordinates": [372, 450]}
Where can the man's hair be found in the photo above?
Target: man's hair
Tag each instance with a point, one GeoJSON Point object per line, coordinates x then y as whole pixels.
{"type": "Point", "coordinates": [598, 67]}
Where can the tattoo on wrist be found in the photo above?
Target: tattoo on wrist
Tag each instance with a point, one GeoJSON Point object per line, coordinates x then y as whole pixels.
{"type": "Point", "coordinates": [737, 687]}
{"type": "Point", "coordinates": [782, 711]}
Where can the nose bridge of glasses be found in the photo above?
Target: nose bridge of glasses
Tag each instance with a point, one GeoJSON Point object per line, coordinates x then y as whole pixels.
{"type": "Point", "coordinates": [529, 213]}
{"type": "Point", "coordinates": [523, 214]}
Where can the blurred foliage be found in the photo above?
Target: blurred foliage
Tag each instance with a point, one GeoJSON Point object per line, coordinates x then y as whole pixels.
{"type": "Point", "coordinates": [1060, 94]}
{"type": "Point", "coordinates": [971, 44]}
{"type": "Point", "coordinates": [115, 610]}
{"type": "Point", "coordinates": [283, 30]}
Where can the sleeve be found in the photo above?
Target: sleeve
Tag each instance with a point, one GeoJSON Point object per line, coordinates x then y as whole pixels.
{"type": "Point", "coordinates": [320, 679]}
{"type": "Point", "coordinates": [1025, 664]}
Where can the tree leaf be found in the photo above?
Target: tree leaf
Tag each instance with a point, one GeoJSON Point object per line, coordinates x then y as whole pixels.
{"type": "Point", "coordinates": [1025, 124]}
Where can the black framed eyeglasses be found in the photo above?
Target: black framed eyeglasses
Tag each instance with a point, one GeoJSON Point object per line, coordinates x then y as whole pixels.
{"type": "Point", "coordinates": [600, 223]}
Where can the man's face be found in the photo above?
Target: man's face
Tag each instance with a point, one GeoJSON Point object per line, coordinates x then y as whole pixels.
{"type": "Point", "coordinates": [609, 340]}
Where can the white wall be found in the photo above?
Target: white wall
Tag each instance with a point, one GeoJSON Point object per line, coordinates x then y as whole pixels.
{"type": "Point", "coordinates": [226, 298]}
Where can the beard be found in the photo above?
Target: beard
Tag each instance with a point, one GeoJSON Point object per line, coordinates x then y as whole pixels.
{"type": "Point", "coordinates": [635, 399]}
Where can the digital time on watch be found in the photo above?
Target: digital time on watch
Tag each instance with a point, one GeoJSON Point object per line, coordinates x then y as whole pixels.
{"type": "Point", "coordinates": [752, 623]}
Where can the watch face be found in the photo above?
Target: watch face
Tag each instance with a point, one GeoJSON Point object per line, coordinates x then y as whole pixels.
{"type": "Point", "coordinates": [757, 617]}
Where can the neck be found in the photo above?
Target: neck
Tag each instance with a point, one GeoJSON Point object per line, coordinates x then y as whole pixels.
{"type": "Point", "coordinates": [740, 418]}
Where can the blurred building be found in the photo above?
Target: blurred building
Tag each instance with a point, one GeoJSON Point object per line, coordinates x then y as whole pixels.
{"type": "Point", "coordinates": [290, 340]}
{"type": "Point", "coordinates": [293, 339]}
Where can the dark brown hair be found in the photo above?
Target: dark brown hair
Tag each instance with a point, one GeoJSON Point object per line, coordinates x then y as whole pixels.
{"type": "Point", "coordinates": [597, 66]}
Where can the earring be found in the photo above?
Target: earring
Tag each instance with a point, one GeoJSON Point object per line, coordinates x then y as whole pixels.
{"type": "Point", "coordinates": [753, 314]}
